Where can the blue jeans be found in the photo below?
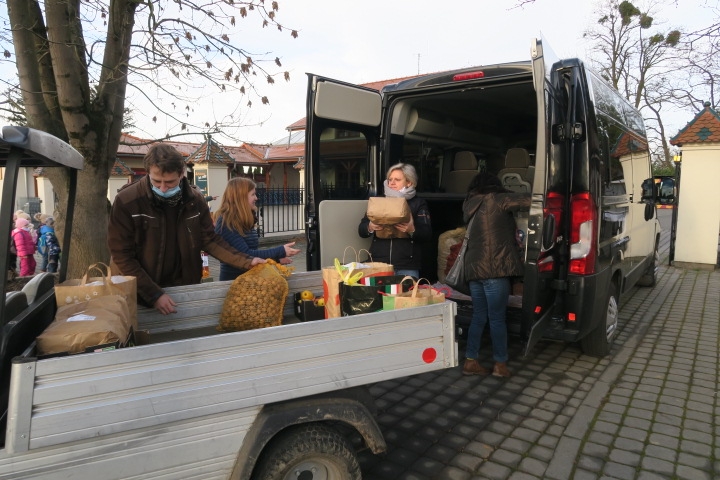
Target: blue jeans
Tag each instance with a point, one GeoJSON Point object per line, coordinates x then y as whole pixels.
{"type": "Point", "coordinates": [489, 298]}
{"type": "Point", "coordinates": [405, 271]}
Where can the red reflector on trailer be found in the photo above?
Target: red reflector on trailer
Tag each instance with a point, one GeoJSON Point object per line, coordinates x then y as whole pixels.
{"type": "Point", "coordinates": [571, 317]}
{"type": "Point", "coordinates": [468, 76]}
{"type": "Point", "coordinates": [429, 355]}
{"type": "Point", "coordinates": [538, 309]}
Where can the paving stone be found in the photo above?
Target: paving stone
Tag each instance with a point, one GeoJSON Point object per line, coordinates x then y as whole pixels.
{"type": "Point", "coordinates": [696, 448]}
{"type": "Point", "coordinates": [657, 465]}
{"type": "Point", "coordinates": [624, 457]}
{"type": "Point", "coordinates": [695, 461]}
{"type": "Point", "coordinates": [590, 463]}
{"type": "Point", "coordinates": [506, 457]}
{"type": "Point", "coordinates": [618, 470]}
{"type": "Point", "coordinates": [689, 472]}
{"type": "Point", "coordinates": [428, 466]}
{"type": "Point", "coordinates": [466, 462]}
{"type": "Point", "coordinates": [479, 449]}
{"type": "Point", "coordinates": [522, 476]}
{"type": "Point", "coordinates": [493, 471]}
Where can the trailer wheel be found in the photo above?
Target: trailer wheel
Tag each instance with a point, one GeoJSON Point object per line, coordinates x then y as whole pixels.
{"type": "Point", "coordinates": [649, 278]}
{"type": "Point", "coordinates": [597, 343]}
{"type": "Point", "coordinates": [309, 452]}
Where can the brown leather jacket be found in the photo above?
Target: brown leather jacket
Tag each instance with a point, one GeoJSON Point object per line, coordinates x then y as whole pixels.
{"type": "Point", "coordinates": [492, 250]}
{"type": "Point", "coordinates": [137, 239]}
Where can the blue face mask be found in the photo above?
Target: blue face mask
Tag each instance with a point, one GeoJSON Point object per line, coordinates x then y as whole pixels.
{"type": "Point", "coordinates": [168, 193]}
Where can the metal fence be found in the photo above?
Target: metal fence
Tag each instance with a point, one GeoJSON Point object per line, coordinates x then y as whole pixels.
{"type": "Point", "coordinates": [281, 210]}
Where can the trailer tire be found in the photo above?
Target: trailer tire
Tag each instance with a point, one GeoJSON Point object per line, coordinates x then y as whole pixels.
{"type": "Point", "coordinates": [598, 342]}
{"type": "Point", "coordinates": [312, 451]}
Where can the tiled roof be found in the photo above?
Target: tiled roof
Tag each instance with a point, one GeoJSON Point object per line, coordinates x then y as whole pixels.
{"type": "Point", "coordinates": [245, 154]}
{"type": "Point", "coordinates": [210, 152]}
{"type": "Point", "coordinates": [119, 169]}
{"type": "Point", "coordinates": [285, 153]}
{"type": "Point", "coordinates": [704, 128]}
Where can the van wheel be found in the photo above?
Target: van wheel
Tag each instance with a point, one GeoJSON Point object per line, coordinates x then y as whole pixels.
{"type": "Point", "coordinates": [597, 343]}
{"type": "Point", "coordinates": [649, 278]}
{"type": "Point", "coordinates": [308, 452]}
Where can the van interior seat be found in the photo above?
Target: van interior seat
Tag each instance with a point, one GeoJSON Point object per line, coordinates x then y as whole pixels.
{"type": "Point", "coordinates": [465, 167]}
{"type": "Point", "coordinates": [517, 175]}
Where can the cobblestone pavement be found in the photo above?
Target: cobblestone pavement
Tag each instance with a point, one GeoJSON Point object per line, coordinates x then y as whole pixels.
{"type": "Point", "coordinates": [648, 411]}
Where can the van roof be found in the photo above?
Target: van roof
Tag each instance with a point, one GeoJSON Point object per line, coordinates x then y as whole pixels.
{"type": "Point", "coordinates": [488, 71]}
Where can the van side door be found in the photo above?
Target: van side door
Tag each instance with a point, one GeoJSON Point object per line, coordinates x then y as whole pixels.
{"type": "Point", "coordinates": [545, 244]}
{"type": "Point", "coordinates": [341, 158]}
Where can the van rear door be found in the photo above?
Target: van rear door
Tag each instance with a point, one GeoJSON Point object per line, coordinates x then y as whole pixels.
{"type": "Point", "coordinates": [341, 157]}
{"type": "Point", "coordinates": [545, 223]}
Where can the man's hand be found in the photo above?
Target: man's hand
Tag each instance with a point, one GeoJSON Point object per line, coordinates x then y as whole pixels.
{"type": "Point", "coordinates": [257, 260]}
{"type": "Point", "coordinates": [286, 261]}
{"type": "Point", "coordinates": [165, 304]}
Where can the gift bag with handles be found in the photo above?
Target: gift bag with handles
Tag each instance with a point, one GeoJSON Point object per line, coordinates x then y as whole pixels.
{"type": "Point", "coordinates": [434, 295]}
{"type": "Point", "coordinates": [407, 299]}
{"type": "Point", "coordinates": [356, 299]}
{"type": "Point", "coordinates": [81, 290]}
{"type": "Point", "coordinates": [350, 272]}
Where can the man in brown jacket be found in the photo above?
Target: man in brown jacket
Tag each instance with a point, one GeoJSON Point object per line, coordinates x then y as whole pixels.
{"type": "Point", "coordinates": [158, 226]}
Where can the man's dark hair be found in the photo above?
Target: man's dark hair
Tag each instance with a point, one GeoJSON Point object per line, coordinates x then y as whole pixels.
{"type": "Point", "coordinates": [166, 158]}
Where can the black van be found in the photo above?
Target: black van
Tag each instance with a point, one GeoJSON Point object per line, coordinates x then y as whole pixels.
{"type": "Point", "coordinates": [549, 127]}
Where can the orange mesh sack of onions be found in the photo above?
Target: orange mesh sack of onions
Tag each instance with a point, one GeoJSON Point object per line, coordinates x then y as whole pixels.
{"type": "Point", "coordinates": [256, 298]}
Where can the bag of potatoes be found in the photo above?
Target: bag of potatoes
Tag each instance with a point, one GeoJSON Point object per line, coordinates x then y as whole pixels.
{"type": "Point", "coordinates": [256, 298]}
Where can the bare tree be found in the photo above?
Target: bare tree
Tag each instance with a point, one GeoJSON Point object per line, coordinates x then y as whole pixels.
{"type": "Point", "coordinates": [700, 65]}
{"type": "Point", "coordinates": [638, 57]}
{"type": "Point", "coordinates": [75, 60]}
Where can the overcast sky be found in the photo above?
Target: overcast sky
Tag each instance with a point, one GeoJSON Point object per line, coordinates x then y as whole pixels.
{"type": "Point", "coordinates": [374, 40]}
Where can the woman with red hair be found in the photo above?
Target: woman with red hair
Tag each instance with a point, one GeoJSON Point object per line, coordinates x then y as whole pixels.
{"type": "Point", "coordinates": [236, 221]}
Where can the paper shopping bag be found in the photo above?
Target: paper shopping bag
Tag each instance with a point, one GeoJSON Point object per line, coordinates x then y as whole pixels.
{"type": "Point", "coordinates": [97, 321]}
{"type": "Point", "coordinates": [81, 290]}
{"type": "Point", "coordinates": [434, 295]}
{"type": "Point", "coordinates": [412, 298]}
{"type": "Point", "coordinates": [333, 276]}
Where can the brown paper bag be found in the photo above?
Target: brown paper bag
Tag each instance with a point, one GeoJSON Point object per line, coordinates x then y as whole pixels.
{"type": "Point", "coordinates": [387, 211]}
{"type": "Point", "coordinates": [97, 321]}
{"type": "Point", "coordinates": [405, 299]}
{"type": "Point", "coordinates": [332, 278]}
{"type": "Point", "coordinates": [76, 291]}
{"type": "Point", "coordinates": [434, 295]}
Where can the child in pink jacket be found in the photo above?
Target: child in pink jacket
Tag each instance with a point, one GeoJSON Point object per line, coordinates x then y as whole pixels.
{"type": "Point", "coordinates": [25, 247]}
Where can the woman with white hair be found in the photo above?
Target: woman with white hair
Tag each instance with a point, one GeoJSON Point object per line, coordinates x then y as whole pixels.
{"type": "Point", "coordinates": [403, 253]}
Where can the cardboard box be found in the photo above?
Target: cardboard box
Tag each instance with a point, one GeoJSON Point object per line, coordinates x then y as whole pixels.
{"type": "Point", "coordinates": [306, 310]}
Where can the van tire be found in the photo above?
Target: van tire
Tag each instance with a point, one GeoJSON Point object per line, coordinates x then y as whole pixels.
{"type": "Point", "coordinates": [316, 448]}
{"type": "Point", "coordinates": [598, 342]}
{"type": "Point", "coordinates": [649, 278]}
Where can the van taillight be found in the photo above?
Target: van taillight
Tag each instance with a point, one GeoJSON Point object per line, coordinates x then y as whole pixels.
{"type": "Point", "coordinates": [553, 206]}
{"type": "Point", "coordinates": [583, 228]}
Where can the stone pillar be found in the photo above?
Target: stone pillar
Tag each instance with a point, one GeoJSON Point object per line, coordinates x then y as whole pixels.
{"type": "Point", "coordinates": [698, 215]}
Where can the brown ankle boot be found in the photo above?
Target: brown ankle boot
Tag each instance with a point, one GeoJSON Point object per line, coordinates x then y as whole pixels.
{"type": "Point", "coordinates": [501, 370]}
{"type": "Point", "coordinates": [472, 367]}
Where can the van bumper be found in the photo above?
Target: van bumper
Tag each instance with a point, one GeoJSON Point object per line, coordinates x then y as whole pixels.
{"type": "Point", "coordinates": [585, 297]}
